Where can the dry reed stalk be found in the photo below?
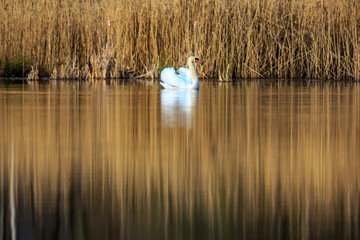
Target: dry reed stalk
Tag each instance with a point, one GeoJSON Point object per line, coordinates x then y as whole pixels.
{"type": "Point", "coordinates": [236, 39]}
{"type": "Point", "coordinates": [104, 65]}
{"type": "Point", "coordinates": [66, 71]}
{"type": "Point", "coordinates": [34, 73]}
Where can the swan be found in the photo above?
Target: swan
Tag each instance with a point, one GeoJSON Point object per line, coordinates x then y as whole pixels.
{"type": "Point", "coordinates": [186, 79]}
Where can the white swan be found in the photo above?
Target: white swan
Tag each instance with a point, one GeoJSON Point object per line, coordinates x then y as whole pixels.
{"type": "Point", "coordinates": [187, 77]}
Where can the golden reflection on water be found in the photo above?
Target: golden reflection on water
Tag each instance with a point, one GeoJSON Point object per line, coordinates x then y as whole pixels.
{"type": "Point", "coordinates": [230, 161]}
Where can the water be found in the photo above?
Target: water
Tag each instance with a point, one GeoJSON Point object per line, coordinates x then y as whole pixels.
{"type": "Point", "coordinates": [251, 160]}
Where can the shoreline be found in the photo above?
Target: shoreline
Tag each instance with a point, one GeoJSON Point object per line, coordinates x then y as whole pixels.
{"type": "Point", "coordinates": [214, 80]}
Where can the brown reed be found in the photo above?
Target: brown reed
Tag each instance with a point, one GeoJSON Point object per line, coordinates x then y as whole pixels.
{"type": "Point", "coordinates": [33, 74]}
{"type": "Point", "coordinates": [312, 39]}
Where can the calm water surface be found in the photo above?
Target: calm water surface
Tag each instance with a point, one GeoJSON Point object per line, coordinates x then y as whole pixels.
{"type": "Point", "coordinates": [251, 160]}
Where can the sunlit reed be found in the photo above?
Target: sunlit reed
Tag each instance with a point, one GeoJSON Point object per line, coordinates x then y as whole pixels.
{"type": "Point", "coordinates": [310, 39]}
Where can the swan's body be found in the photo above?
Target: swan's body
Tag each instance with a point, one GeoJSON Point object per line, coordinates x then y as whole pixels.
{"type": "Point", "coordinates": [186, 79]}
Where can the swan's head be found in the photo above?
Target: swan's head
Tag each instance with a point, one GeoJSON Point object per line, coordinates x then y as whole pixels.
{"type": "Point", "coordinates": [194, 59]}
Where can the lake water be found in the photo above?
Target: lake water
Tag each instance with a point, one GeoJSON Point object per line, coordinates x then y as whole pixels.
{"type": "Point", "coordinates": [114, 160]}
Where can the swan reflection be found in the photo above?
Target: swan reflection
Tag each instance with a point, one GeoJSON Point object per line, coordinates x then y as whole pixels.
{"type": "Point", "coordinates": [177, 106]}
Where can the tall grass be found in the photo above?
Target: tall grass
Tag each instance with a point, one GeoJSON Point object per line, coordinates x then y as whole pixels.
{"type": "Point", "coordinates": [312, 39]}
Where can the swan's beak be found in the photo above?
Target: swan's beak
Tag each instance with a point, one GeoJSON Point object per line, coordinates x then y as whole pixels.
{"type": "Point", "coordinates": [198, 61]}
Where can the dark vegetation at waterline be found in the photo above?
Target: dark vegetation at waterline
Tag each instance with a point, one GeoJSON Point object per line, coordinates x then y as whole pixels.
{"type": "Point", "coordinates": [235, 39]}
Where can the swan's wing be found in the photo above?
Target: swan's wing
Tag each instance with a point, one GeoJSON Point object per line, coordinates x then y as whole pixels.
{"type": "Point", "coordinates": [170, 79]}
{"type": "Point", "coordinates": [165, 85]}
{"type": "Point", "coordinates": [186, 74]}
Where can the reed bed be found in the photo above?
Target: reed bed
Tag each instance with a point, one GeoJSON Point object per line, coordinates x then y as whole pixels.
{"type": "Point", "coordinates": [311, 39]}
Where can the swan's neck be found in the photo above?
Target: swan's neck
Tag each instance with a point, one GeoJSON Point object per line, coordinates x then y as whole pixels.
{"type": "Point", "coordinates": [193, 74]}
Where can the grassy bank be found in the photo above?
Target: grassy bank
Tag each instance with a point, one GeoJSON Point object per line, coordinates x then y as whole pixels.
{"type": "Point", "coordinates": [236, 39]}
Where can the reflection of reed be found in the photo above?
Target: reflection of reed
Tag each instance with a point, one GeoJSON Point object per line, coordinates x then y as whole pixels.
{"type": "Point", "coordinates": [12, 184]}
{"type": "Point", "coordinates": [271, 156]}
